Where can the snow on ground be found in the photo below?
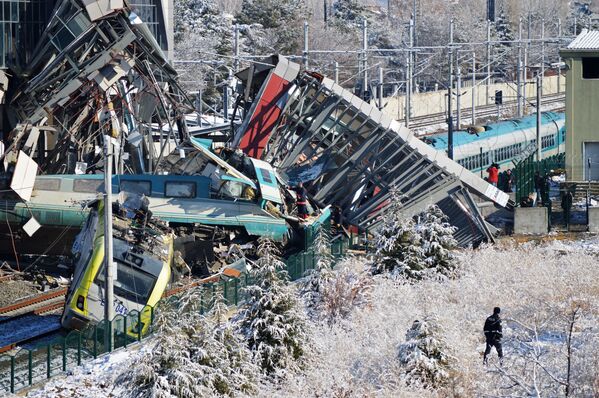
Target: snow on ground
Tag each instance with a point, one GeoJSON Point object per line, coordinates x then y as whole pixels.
{"type": "Point", "coordinates": [93, 379]}
{"type": "Point", "coordinates": [358, 356]}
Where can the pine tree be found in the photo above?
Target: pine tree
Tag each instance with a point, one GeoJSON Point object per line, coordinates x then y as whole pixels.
{"type": "Point", "coordinates": [503, 29]}
{"type": "Point", "coordinates": [348, 14]}
{"type": "Point", "coordinates": [272, 320]}
{"type": "Point", "coordinates": [417, 247]}
{"type": "Point", "coordinates": [314, 284]}
{"type": "Point", "coordinates": [423, 357]}
{"type": "Point", "coordinates": [280, 20]}
{"type": "Point", "coordinates": [192, 355]}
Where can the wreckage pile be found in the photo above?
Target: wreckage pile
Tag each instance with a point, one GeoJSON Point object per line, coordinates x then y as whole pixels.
{"type": "Point", "coordinates": [97, 70]}
{"type": "Point", "coordinates": [99, 75]}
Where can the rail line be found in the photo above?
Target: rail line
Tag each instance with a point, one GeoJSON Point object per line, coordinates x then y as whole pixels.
{"type": "Point", "coordinates": [30, 304]}
{"type": "Point", "coordinates": [481, 111]}
{"type": "Point", "coordinates": [22, 322]}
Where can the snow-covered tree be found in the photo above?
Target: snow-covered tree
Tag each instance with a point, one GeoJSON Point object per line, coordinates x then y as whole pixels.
{"type": "Point", "coordinates": [280, 20]}
{"type": "Point", "coordinates": [503, 29]}
{"type": "Point", "coordinates": [192, 355]}
{"type": "Point", "coordinates": [313, 284]}
{"type": "Point", "coordinates": [272, 320]}
{"type": "Point", "coordinates": [349, 14]}
{"type": "Point", "coordinates": [415, 247]}
{"type": "Point", "coordinates": [424, 356]}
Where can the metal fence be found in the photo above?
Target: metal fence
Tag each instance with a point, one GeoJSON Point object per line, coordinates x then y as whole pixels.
{"type": "Point", "coordinates": [524, 172]}
{"type": "Point", "coordinates": [31, 365]}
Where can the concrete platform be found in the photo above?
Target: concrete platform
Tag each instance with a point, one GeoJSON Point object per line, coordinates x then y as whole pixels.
{"type": "Point", "coordinates": [531, 220]}
{"type": "Point", "coordinates": [594, 220]}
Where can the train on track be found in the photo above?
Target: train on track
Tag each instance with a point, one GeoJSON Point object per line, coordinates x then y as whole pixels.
{"type": "Point", "coordinates": [504, 142]}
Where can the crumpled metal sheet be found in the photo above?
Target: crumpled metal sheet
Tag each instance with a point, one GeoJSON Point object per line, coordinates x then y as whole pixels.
{"type": "Point", "coordinates": [95, 54]}
{"type": "Point", "coordinates": [350, 154]}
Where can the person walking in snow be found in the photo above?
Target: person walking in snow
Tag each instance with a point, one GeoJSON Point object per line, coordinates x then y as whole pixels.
{"type": "Point", "coordinates": [493, 335]}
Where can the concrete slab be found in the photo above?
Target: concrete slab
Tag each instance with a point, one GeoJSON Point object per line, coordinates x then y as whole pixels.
{"type": "Point", "coordinates": [531, 220]}
{"type": "Point", "coordinates": [594, 220]}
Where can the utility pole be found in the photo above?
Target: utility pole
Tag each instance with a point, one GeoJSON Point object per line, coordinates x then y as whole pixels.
{"type": "Point", "coordinates": [380, 88]}
{"type": "Point", "coordinates": [414, 13]}
{"type": "Point", "coordinates": [108, 256]}
{"type": "Point", "coordinates": [449, 94]}
{"type": "Point", "coordinates": [519, 69]}
{"type": "Point", "coordinates": [488, 61]}
{"type": "Point", "coordinates": [200, 105]}
{"type": "Point", "coordinates": [364, 56]}
{"type": "Point", "coordinates": [559, 59]}
{"type": "Point", "coordinates": [542, 49]}
{"type": "Point", "coordinates": [226, 102]}
{"type": "Point", "coordinates": [336, 72]}
{"type": "Point", "coordinates": [525, 83]}
{"type": "Point", "coordinates": [539, 94]}
{"type": "Point", "coordinates": [458, 100]}
{"type": "Point", "coordinates": [473, 88]}
{"type": "Point", "coordinates": [236, 48]}
{"type": "Point", "coordinates": [409, 73]}
{"type": "Point", "coordinates": [306, 45]}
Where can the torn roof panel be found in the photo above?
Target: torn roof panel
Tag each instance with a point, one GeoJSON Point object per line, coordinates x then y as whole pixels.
{"type": "Point", "coordinates": [366, 156]}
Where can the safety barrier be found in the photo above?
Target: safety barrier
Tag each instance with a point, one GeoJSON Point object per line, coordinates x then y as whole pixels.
{"type": "Point", "coordinates": [524, 172]}
{"type": "Point", "coordinates": [31, 365]}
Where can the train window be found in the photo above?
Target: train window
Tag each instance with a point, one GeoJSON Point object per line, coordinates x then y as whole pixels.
{"type": "Point", "coordinates": [266, 176]}
{"type": "Point", "coordinates": [180, 189]}
{"type": "Point", "coordinates": [131, 284]}
{"type": "Point", "coordinates": [134, 186]}
{"type": "Point", "coordinates": [47, 184]}
{"type": "Point", "coordinates": [590, 68]}
{"type": "Point", "coordinates": [87, 185]}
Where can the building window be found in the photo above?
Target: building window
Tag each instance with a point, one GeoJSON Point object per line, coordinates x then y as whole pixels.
{"type": "Point", "coordinates": [590, 68]}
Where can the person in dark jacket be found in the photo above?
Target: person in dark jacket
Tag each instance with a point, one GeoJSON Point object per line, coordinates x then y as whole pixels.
{"type": "Point", "coordinates": [539, 186]}
{"type": "Point", "coordinates": [567, 200]}
{"type": "Point", "coordinates": [493, 335]}
{"type": "Point", "coordinates": [509, 181]}
{"type": "Point", "coordinates": [301, 201]}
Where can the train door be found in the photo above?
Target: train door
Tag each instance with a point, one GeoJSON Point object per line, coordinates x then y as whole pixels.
{"type": "Point", "coordinates": [591, 160]}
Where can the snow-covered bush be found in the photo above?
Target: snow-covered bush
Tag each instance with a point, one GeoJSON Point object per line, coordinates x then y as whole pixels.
{"type": "Point", "coordinates": [345, 291]}
{"type": "Point", "coordinates": [330, 294]}
{"type": "Point", "coordinates": [272, 320]}
{"type": "Point", "coordinates": [312, 286]}
{"type": "Point", "coordinates": [192, 355]}
{"type": "Point", "coordinates": [416, 247]}
{"type": "Point", "coordinates": [424, 356]}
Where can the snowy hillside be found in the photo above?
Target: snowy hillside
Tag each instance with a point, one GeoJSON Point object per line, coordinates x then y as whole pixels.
{"type": "Point", "coordinates": [541, 288]}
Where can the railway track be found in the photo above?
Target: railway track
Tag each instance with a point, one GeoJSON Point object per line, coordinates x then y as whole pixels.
{"type": "Point", "coordinates": [39, 303]}
{"type": "Point", "coordinates": [481, 112]}
{"type": "Point", "coordinates": [22, 322]}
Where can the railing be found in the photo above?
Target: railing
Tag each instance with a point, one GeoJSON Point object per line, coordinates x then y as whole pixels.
{"type": "Point", "coordinates": [524, 173]}
{"type": "Point", "coordinates": [29, 366]}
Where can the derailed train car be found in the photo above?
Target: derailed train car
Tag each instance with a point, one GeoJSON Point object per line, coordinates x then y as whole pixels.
{"type": "Point", "coordinates": [143, 253]}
